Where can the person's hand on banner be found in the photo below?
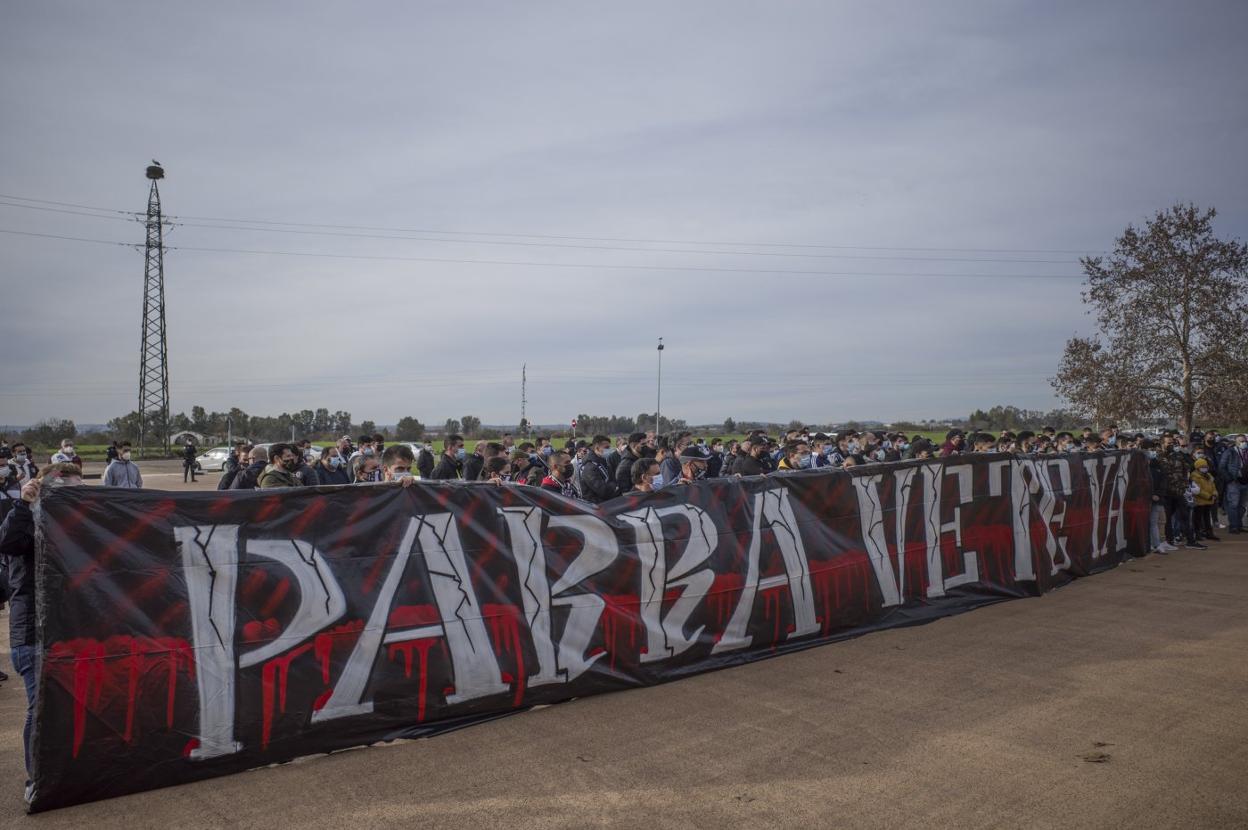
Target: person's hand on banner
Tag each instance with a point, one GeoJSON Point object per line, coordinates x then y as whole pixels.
{"type": "Point", "coordinates": [30, 490]}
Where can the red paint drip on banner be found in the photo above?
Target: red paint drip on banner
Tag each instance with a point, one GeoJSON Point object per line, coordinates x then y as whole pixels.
{"type": "Point", "coordinates": [619, 614]}
{"type": "Point", "coordinates": [505, 622]}
{"type": "Point", "coordinates": [104, 676]}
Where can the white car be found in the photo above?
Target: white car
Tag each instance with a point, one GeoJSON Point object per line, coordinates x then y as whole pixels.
{"type": "Point", "coordinates": [214, 459]}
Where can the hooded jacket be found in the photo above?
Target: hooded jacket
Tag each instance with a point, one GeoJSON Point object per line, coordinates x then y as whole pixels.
{"type": "Point", "coordinates": [17, 549]}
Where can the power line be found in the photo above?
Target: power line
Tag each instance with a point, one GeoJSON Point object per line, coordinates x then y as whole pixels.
{"type": "Point", "coordinates": [577, 265]}
{"type": "Point", "coordinates": [633, 239]}
{"type": "Point", "coordinates": [567, 237]}
{"type": "Point", "coordinates": [585, 247]}
{"type": "Point", "coordinates": [66, 204]}
{"type": "Point", "coordinates": [70, 238]}
{"type": "Point", "coordinates": [897, 257]}
{"type": "Point", "coordinates": [134, 218]}
{"type": "Point", "coordinates": [617, 267]}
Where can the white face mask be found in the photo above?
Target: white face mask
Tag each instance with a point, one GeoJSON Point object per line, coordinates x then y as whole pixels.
{"type": "Point", "coordinates": [125, 456]}
{"type": "Point", "coordinates": [67, 450]}
{"type": "Point", "coordinates": [401, 474]}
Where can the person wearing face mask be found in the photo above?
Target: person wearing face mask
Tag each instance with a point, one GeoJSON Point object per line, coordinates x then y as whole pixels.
{"type": "Point", "coordinates": [368, 471]}
{"type": "Point", "coordinates": [790, 459]}
{"type": "Point", "coordinates": [20, 468]}
{"type": "Point", "coordinates": [692, 464]}
{"type": "Point", "coordinates": [281, 472]}
{"type": "Point", "coordinates": [1177, 467]}
{"type": "Point", "coordinates": [1233, 475]}
{"type": "Point", "coordinates": [331, 468]}
{"type": "Point", "coordinates": [1158, 518]}
{"type": "Point", "coordinates": [642, 473]}
{"type": "Point", "coordinates": [1205, 499]}
{"type": "Point", "coordinates": [17, 549]}
{"type": "Point", "coordinates": [451, 464]}
{"type": "Point", "coordinates": [122, 472]}
{"type": "Point", "coordinates": [67, 454]}
{"type": "Point", "coordinates": [396, 465]}
{"type": "Point", "coordinates": [597, 484]}
{"type": "Point", "coordinates": [749, 461]}
{"type": "Point", "coordinates": [304, 471]}
{"type": "Point", "coordinates": [559, 479]}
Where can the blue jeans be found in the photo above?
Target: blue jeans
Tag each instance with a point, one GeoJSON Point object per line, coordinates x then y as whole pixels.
{"type": "Point", "coordinates": [1236, 500]}
{"type": "Point", "coordinates": [25, 662]}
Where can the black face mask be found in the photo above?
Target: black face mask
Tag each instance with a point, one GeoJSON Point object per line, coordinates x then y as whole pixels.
{"type": "Point", "coordinates": [566, 471]}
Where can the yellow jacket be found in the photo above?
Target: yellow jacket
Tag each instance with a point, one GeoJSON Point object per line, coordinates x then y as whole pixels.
{"type": "Point", "coordinates": [1208, 491]}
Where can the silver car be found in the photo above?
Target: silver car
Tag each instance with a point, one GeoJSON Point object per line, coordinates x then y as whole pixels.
{"type": "Point", "coordinates": [214, 459]}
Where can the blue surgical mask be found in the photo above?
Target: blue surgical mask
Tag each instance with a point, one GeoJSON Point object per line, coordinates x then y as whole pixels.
{"type": "Point", "coordinates": [904, 445]}
{"type": "Point", "coordinates": [335, 462]}
{"type": "Point", "coordinates": [853, 446]}
{"type": "Point", "coordinates": [804, 461]}
{"type": "Point", "coordinates": [547, 450]}
{"type": "Point", "coordinates": [461, 454]}
{"type": "Point", "coordinates": [1152, 453]}
{"type": "Point", "coordinates": [657, 482]}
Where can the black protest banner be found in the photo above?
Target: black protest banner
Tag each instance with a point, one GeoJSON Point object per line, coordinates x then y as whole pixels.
{"type": "Point", "coordinates": [189, 635]}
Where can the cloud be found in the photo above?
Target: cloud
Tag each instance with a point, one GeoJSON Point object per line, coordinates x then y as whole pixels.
{"type": "Point", "coordinates": [1004, 128]}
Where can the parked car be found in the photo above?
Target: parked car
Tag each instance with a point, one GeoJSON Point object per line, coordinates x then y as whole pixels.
{"type": "Point", "coordinates": [214, 459]}
{"type": "Point", "coordinates": [314, 452]}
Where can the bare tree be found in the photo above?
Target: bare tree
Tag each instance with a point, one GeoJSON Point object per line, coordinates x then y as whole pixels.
{"type": "Point", "coordinates": [1170, 302]}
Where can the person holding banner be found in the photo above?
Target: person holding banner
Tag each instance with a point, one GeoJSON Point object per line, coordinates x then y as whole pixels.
{"type": "Point", "coordinates": [17, 546]}
{"type": "Point", "coordinates": [560, 478]}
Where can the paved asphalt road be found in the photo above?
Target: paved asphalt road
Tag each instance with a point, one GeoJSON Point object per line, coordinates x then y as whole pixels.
{"type": "Point", "coordinates": [1118, 701]}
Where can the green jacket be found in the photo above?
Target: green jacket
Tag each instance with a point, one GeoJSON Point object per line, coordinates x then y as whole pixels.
{"type": "Point", "coordinates": [278, 477]}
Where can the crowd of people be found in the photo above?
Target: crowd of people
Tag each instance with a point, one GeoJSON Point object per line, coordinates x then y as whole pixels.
{"type": "Point", "coordinates": [1199, 481]}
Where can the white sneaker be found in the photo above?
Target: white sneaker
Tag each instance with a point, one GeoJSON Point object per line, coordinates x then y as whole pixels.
{"type": "Point", "coordinates": [1166, 547]}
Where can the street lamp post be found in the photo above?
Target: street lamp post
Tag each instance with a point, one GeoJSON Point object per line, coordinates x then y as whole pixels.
{"type": "Point", "coordinates": [658, 404]}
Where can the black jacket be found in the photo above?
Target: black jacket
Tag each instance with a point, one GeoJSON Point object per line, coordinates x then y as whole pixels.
{"type": "Point", "coordinates": [325, 475]}
{"type": "Point", "coordinates": [307, 475]}
{"type": "Point", "coordinates": [748, 465]}
{"type": "Point", "coordinates": [472, 466]}
{"type": "Point", "coordinates": [17, 549]}
{"type": "Point", "coordinates": [424, 464]}
{"type": "Point", "coordinates": [248, 477]}
{"type": "Point", "coordinates": [715, 465]}
{"type": "Point", "coordinates": [624, 470]}
{"type": "Point", "coordinates": [447, 469]}
{"type": "Point", "coordinates": [188, 455]}
{"type": "Point", "coordinates": [230, 473]}
{"type": "Point", "coordinates": [597, 485]}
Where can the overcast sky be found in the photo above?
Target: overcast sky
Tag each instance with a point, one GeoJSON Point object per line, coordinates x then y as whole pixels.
{"type": "Point", "coordinates": [740, 142]}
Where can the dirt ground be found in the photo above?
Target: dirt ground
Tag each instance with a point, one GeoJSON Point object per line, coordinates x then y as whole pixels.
{"type": "Point", "coordinates": [1118, 701]}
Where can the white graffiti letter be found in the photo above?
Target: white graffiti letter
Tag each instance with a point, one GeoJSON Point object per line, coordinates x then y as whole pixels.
{"type": "Point", "coordinates": [772, 507]}
{"type": "Point", "coordinates": [320, 598]}
{"type": "Point", "coordinates": [210, 566]}
{"type": "Point", "coordinates": [665, 637]}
